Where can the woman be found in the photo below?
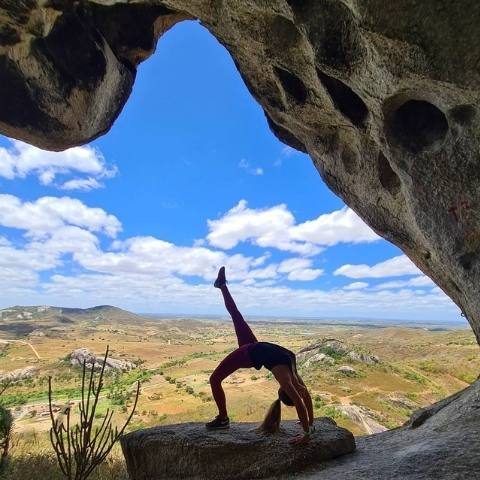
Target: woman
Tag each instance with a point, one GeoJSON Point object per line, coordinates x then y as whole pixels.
{"type": "Point", "coordinates": [252, 353]}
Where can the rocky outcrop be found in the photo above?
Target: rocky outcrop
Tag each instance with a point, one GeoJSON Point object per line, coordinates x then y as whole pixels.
{"type": "Point", "coordinates": [318, 358]}
{"type": "Point", "coordinates": [190, 451]}
{"type": "Point", "coordinates": [326, 349]}
{"type": "Point", "coordinates": [362, 357]}
{"type": "Point", "coordinates": [347, 371]}
{"type": "Point", "coordinates": [18, 375]}
{"type": "Point", "coordinates": [84, 355]}
{"type": "Point", "coordinates": [444, 445]}
{"type": "Point", "coordinates": [384, 96]}
{"type": "Point", "coordinates": [362, 416]}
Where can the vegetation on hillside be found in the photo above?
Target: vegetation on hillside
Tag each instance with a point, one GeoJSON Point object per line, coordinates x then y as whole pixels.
{"type": "Point", "coordinates": [175, 358]}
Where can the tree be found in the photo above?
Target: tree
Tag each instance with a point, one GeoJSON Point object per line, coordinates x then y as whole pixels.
{"type": "Point", "coordinates": [82, 446]}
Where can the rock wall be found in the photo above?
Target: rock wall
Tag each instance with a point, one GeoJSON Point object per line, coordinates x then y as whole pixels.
{"type": "Point", "coordinates": [384, 96]}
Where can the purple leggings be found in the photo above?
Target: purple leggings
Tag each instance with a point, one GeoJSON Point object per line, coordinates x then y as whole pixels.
{"type": "Point", "coordinates": [239, 358]}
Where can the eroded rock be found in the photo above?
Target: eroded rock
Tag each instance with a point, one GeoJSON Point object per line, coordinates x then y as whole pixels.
{"type": "Point", "coordinates": [384, 96]}
{"type": "Point", "coordinates": [190, 451]}
{"type": "Point", "coordinates": [82, 356]}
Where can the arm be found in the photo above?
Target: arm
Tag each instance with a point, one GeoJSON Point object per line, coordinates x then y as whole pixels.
{"type": "Point", "coordinates": [284, 377]}
{"type": "Point", "coordinates": [307, 399]}
{"type": "Point", "coordinates": [302, 411]}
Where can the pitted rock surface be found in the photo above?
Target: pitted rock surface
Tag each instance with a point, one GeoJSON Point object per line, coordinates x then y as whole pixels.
{"type": "Point", "coordinates": [383, 95]}
{"type": "Point", "coordinates": [190, 451]}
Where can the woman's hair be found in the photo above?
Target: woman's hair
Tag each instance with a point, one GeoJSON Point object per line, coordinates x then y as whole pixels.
{"type": "Point", "coordinates": [271, 422]}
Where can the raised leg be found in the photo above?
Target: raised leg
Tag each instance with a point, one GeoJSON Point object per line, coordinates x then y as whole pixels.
{"type": "Point", "coordinates": [243, 331]}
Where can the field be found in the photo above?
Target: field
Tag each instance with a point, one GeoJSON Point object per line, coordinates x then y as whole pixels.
{"type": "Point", "coordinates": [175, 357]}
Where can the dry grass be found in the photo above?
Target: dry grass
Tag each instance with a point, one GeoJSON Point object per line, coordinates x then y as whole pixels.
{"type": "Point", "coordinates": [418, 364]}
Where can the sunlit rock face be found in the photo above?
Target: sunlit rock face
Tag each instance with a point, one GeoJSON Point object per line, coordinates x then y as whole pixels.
{"type": "Point", "coordinates": [384, 96]}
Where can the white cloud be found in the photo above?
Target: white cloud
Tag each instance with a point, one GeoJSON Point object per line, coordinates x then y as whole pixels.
{"type": "Point", "coordinates": [171, 294]}
{"type": "Point", "coordinates": [356, 286]}
{"type": "Point", "coordinates": [276, 227]}
{"type": "Point", "coordinates": [48, 213]}
{"type": "Point", "coordinates": [299, 269]}
{"type": "Point", "coordinates": [393, 267]}
{"type": "Point", "coordinates": [288, 151]}
{"type": "Point", "coordinates": [22, 159]}
{"type": "Point", "coordinates": [245, 165]}
{"type": "Point", "coordinates": [150, 274]}
{"type": "Point", "coordinates": [85, 184]}
{"type": "Point", "coordinates": [420, 281]}
{"type": "Point", "coordinates": [156, 258]}
{"type": "Point", "coordinates": [340, 226]}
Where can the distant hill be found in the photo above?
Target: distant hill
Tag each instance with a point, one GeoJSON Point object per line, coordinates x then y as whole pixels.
{"type": "Point", "coordinates": [26, 320]}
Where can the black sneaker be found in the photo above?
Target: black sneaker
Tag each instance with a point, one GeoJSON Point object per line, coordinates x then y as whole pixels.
{"type": "Point", "coordinates": [218, 424]}
{"type": "Point", "coordinates": [221, 280]}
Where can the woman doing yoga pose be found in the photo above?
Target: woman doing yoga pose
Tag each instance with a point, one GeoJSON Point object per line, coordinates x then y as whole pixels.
{"type": "Point", "coordinates": [252, 353]}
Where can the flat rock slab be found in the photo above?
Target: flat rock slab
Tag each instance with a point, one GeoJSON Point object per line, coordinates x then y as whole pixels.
{"type": "Point", "coordinates": [190, 451]}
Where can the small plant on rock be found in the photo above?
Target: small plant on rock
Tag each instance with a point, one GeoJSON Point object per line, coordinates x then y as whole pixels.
{"type": "Point", "coordinates": [82, 446]}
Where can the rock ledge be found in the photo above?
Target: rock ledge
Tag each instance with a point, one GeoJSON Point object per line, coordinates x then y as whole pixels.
{"type": "Point", "coordinates": [190, 451]}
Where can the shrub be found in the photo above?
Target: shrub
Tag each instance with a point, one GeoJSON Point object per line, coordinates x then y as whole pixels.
{"type": "Point", "coordinates": [82, 447]}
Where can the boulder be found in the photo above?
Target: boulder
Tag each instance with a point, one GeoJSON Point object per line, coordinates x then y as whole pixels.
{"type": "Point", "coordinates": [319, 358]}
{"type": "Point", "coordinates": [348, 371]}
{"type": "Point", "coordinates": [190, 451]}
{"type": "Point", "coordinates": [18, 375]}
{"type": "Point", "coordinates": [363, 357]}
{"type": "Point", "coordinates": [81, 355]}
{"type": "Point", "coordinates": [401, 401]}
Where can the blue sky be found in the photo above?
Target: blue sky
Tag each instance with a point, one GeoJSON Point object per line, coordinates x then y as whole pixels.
{"type": "Point", "coordinates": [188, 178]}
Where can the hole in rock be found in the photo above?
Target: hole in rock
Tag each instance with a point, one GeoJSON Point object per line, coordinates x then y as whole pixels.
{"type": "Point", "coordinates": [295, 3]}
{"type": "Point", "coordinates": [388, 178]}
{"type": "Point", "coordinates": [292, 85]}
{"type": "Point", "coordinates": [463, 114]}
{"type": "Point", "coordinates": [349, 160]}
{"type": "Point", "coordinates": [417, 125]}
{"type": "Point", "coordinates": [285, 135]}
{"type": "Point", "coordinates": [466, 260]}
{"type": "Point", "coordinates": [345, 99]}
{"type": "Point", "coordinates": [8, 36]}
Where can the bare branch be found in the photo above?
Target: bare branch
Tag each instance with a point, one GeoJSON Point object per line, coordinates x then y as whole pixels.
{"type": "Point", "coordinates": [80, 448]}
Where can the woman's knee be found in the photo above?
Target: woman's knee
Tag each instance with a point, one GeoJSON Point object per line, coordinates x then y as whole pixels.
{"type": "Point", "coordinates": [215, 379]}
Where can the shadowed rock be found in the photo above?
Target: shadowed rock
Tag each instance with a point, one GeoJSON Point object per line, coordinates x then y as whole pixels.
{"type": "Point", "coordinates": [383, 95]}
{"type": "Point", "coordinates": [190, 451]}
{"type": "Point", "coordinates": [441, 442]}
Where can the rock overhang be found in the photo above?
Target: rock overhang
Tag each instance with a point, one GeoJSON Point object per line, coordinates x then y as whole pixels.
{"type": "Point", "coordinates": [384, 96]}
